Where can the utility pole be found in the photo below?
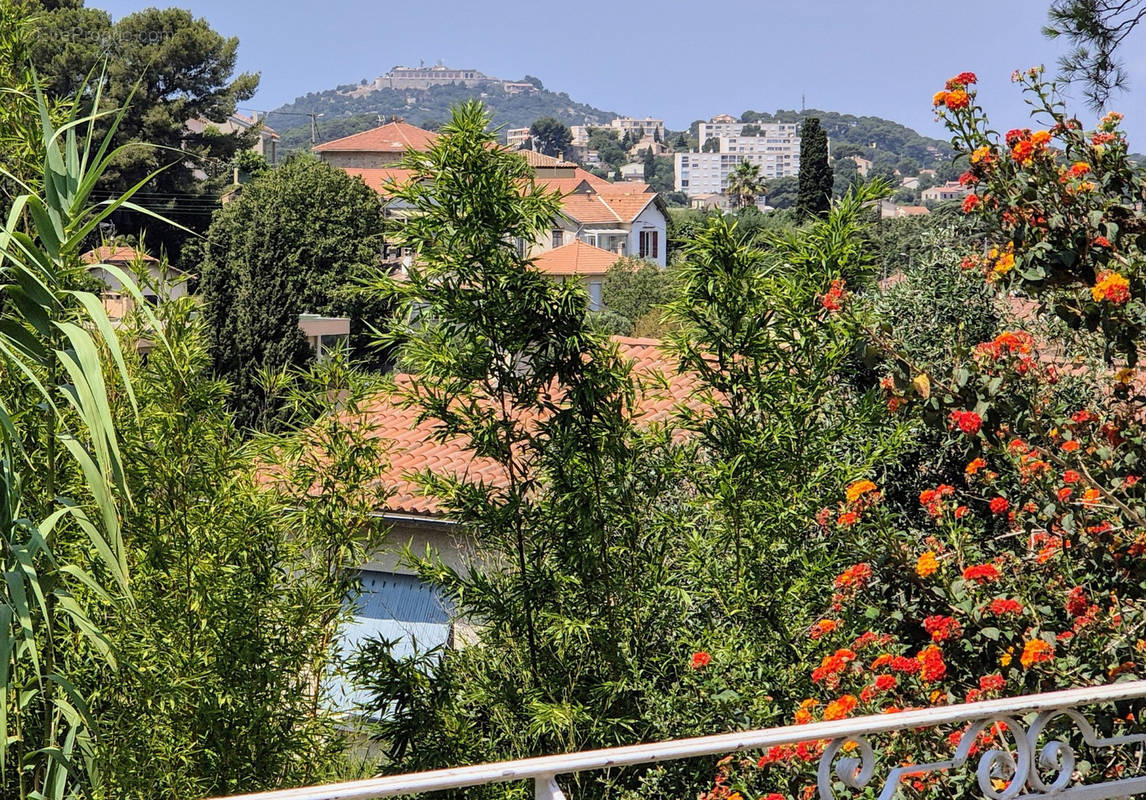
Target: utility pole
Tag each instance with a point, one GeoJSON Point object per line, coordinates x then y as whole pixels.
{"type": "Point", "coordinates": [313, 128]}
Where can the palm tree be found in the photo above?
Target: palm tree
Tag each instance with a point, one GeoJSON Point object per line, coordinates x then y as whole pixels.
{"type": "Point", "coordinates": [745, 184]}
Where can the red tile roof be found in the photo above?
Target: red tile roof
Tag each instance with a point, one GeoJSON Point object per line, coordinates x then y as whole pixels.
{"type": "Point", "coordinates": [414, 448]}
{"type": "Point", "coordinates": [115, 255]}
{"type": "Point", "coordinates": [536, 159]}
{"type": "Point", "coordinates": [576, 258]}
{"type": "Point", "coordinates": [393, 137]}
{"type": "Point", "coordinates": [379, 179]}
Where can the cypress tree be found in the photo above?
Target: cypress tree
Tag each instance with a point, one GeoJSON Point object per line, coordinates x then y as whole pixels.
{"type": "Point", "coordinates": [815, 192]}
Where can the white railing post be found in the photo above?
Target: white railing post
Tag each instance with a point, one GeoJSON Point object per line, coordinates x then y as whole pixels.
{"type": "Point", "coordinates": [545, 788]}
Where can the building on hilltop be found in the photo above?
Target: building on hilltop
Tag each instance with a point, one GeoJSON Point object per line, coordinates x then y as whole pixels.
{"type": "Point", "coordinates": [424, 77]}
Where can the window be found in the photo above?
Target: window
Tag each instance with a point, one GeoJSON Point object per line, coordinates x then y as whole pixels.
{"type": "Point", "coordinates": [649, 244]}
{"type": "Point", "coordinates": [595, 295]}
{"type": "Point", "coordinates": [558, 238]}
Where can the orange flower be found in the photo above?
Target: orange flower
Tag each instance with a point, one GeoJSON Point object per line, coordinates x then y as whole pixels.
{"type": "Point", "coordinates": [957, 99]}
{"type": "Point", "coordinates": [1090, 496]}
{"type": "Point", "coordinates": [939, 99]}
{"type": "Point", "coordinates": [859, 489]}
{"type": "Point", "coordinates": [1112, 288]}
{"type": "Point", "coordinates": [981, 573]}
{"type": "Point", "coordinates": [1036, 651]}
{"type": "Point", "coordinates": [974, 466]}
{"type": "Point", "coordinates": [1040, 138]}
{"type": "Point", "coordinates": [926, 565]}
{"type": "Point", "coordinates": [838, 709]}
{"type": "Point", "coordinates": [700, 659]}
{"type": "Point", "coordinates": [1070, 446]}
{"type": "Point", "coordinates": [823, 627]}
{"type": "Point", "coordinates": [942, 627]}
{"type": "Point", "coordinates": [847, 519]}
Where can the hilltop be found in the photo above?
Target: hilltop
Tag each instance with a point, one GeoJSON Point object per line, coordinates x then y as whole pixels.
{"type": "Point", "coordinates": [356, 107]}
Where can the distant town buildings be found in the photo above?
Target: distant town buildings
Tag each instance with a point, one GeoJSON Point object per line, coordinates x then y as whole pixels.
{"type": "Point", "coordinates": [265, 145]}
{"type": "Point", "coordinates": [952, 190]}
{"type": "Point", "coordinates": [636, 128]}
{"type": "Point", "coordinates": [773, 146]}
{"type": "Point", "coordinates": [516, 137]}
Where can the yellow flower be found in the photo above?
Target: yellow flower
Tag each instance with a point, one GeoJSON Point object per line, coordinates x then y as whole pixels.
{"type": "Point", "coordinates": [981, 154]}
{"type": "Point", "coordinates": [926, 565]}
{"type": "Point", "coordinates": [1007, 657]}
{"type": "Point", "coordinates": [1040, 137]}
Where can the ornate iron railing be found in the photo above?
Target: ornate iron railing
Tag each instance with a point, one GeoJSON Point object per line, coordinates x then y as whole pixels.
{"type": "Point", "coordinates": [1027, 769]}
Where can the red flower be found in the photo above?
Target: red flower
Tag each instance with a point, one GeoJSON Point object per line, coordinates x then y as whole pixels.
{"type": "Point", "coordinates": [1071, 476]}
{"type": "Point", "coordinates": [1101, 241]}
{"type": "Point", "coordinates": [909, 666]}
{"type": "Point", "coordinates": [942, 627]}
{"type": "Point", "coordinates": [1077, 602]}
{"type": "Point", "coordinates": [967, 421]}
{"type": "Point", "coordinates": [932, 666]}
{"type": "Point", "coordinates": [700, 659]}
{"type": "Point", "coordinates": [835, 296]}
{"type": "Point", "coordinates": [1015, 135]}
{"type": "Point", "coordinates": [885, 683]}
{"type": "Point", "coordinates": [981, 573]}
{"type": "Point", "coordinates": [857, 576]}
{"type": "Point", "coordinates": [1064, 494]}
{"type": "Point", "coordinates": [1005, 605]}
{"type": "Point", "coordinates": [992, 683]}
{"type": "Point", "coordinates": [999, 505]}
{"type": "Point", "coordinates": [847, 519]}
{"type": "Point", "coordinates": [962, 79]}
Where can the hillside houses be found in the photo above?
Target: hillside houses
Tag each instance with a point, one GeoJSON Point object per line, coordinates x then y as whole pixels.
{"type": "Point", "coordinates": [626, 219]}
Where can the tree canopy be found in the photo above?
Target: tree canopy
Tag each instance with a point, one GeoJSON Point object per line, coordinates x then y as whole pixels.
{"type": "Point", "coordinates": [167, 67]}
{"type": "Point", "coordinates": [551, 136]}
{"type": "Point", "coordinates": [294, 242]}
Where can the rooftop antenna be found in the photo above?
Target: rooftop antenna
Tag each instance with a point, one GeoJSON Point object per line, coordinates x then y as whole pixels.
{"type": "Point", "coordinates": [803, 103]}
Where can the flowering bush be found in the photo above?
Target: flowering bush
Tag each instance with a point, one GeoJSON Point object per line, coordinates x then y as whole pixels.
{"type": "Point", "coordinates": [1031, 575]}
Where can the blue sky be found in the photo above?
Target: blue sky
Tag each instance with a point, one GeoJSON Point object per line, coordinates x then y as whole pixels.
{"type": "Point", "coordinates": [680, 61]}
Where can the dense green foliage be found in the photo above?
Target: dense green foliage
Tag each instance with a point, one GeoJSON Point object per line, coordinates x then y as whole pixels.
{"type": "Point", "coordinates": [893, 141]}
{"type": "Point", "coordinates": [172, 67]}
{"type": "Point", "coordinates": [551, 136]}
{"type": "Point", "coordinates": [635, 290]}
{"type": "Point", "coordinates": [295, 241]}
{"type": "Point", "coordinates": [238, 587]}
{"type": "Point", "coordinates": [816, 181]}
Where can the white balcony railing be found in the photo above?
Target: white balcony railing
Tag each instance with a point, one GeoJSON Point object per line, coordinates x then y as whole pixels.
{"type": "Point", "coordinates": [1026, 770]}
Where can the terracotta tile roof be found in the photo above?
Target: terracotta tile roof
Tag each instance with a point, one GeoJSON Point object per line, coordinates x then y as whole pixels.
{"type": "Point", "coordinates": [576, 258]}
{"type": "Point", "coordinates": [536, 159]}
{"type": "Point", "coordinates": [393, 137]}
{"type": "Point", "coordinates": [588, 208]}
{"type": "Point", "coordinates": [627, 206]}
{"type": "Point", "coordinates": [379, 179]}
{"type": "Point", "coordinates": [414, 448]}
{"type": "Point", "coordinates": [115, 255]}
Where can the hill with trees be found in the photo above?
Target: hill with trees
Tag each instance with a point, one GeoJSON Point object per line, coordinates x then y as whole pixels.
{"type": "Point", "coordinates": [348, 109]}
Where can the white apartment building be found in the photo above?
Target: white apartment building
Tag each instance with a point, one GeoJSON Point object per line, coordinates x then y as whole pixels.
{"type": "Point", "coordinates": [769, 130]}
{"type": "Point", "coordinates": [644, 127]}
{"type": "Point", "coordinates": [515, 137]}
{"type": "Point", "coordinates": [776, 151]}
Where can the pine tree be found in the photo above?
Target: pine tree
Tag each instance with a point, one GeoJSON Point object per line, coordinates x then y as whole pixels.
{"type": "Point", "coordinates": [815, 193]}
